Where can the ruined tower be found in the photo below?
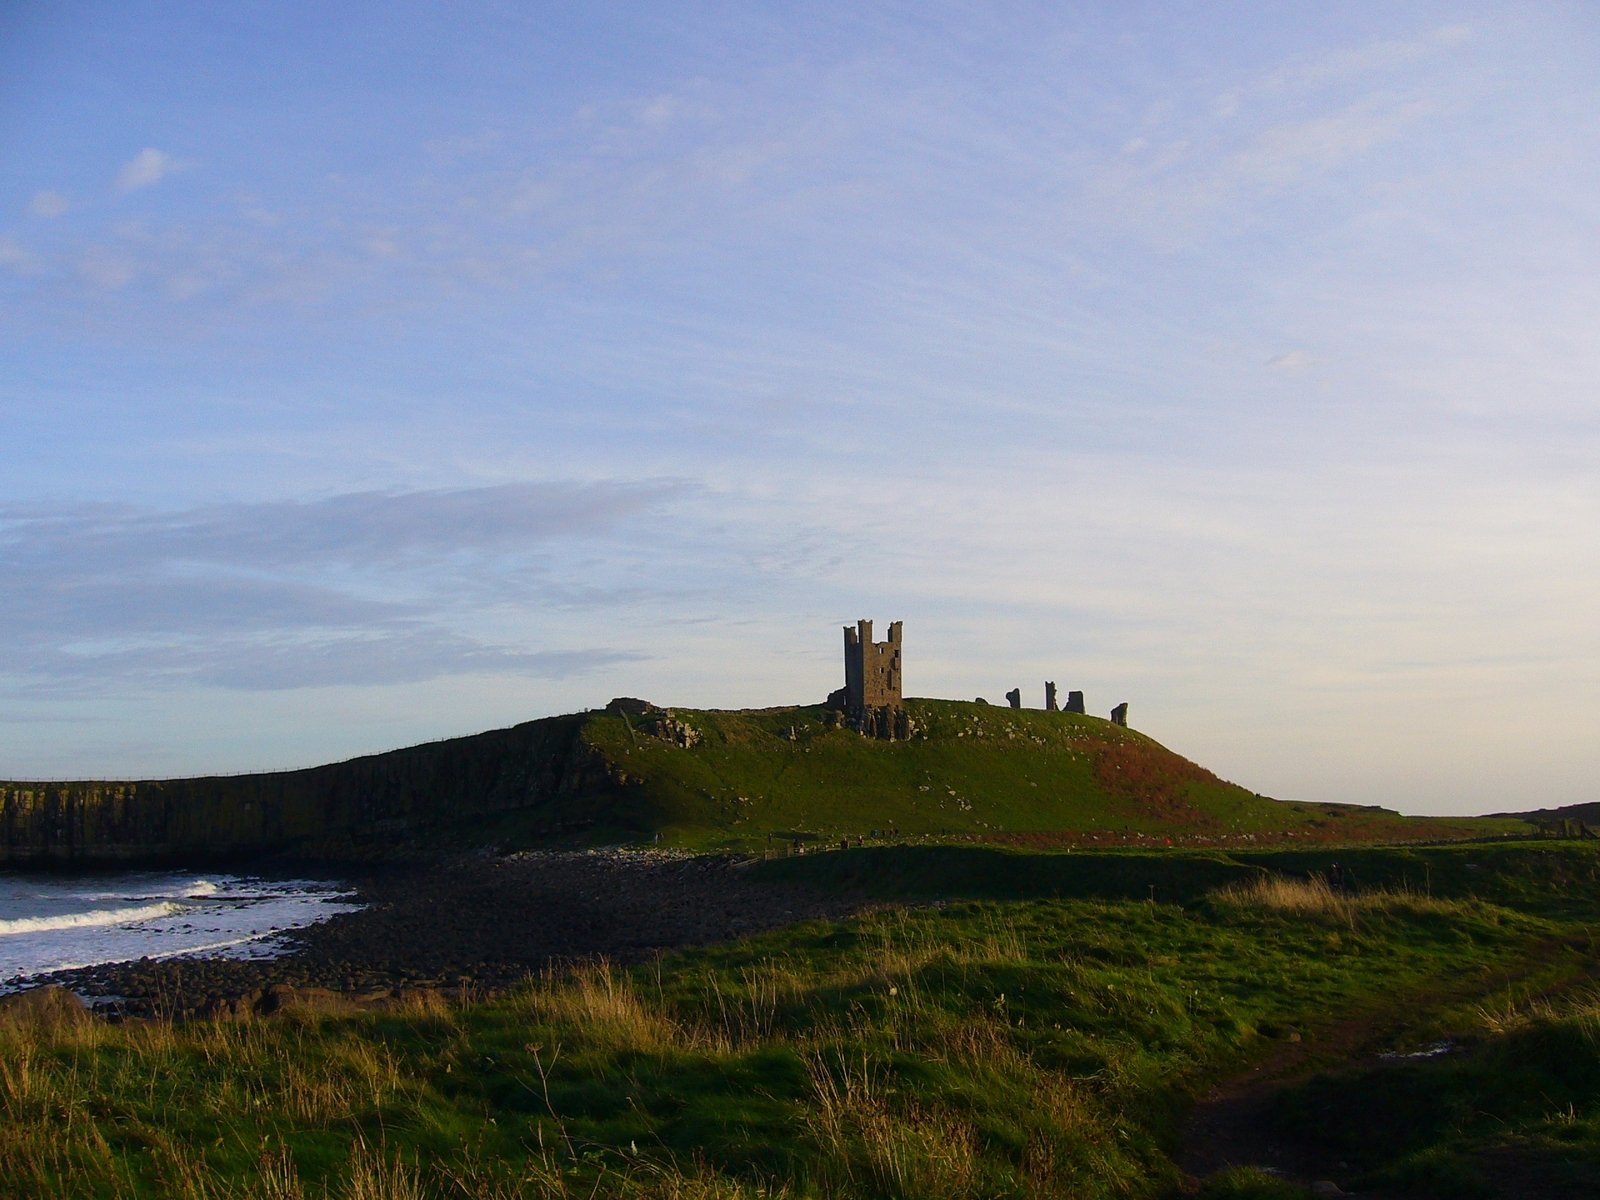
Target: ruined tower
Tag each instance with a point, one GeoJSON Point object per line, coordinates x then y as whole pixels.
{"type": "Point", "coordinates": [871, 698]}
{"type": "Point", "coordinates": [871, 669]}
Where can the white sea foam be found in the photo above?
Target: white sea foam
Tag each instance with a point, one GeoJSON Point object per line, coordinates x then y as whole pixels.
{"type": "Point", "coordinates": [61, 923]}
{"type": "Point", "coordinates": [82, 920]}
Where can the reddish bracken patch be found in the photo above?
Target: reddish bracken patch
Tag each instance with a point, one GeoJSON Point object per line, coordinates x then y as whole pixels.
{"type": "Point", "coordinates": [1388, 829]}
{"type": "Point", "coordinates": [1156, 787]}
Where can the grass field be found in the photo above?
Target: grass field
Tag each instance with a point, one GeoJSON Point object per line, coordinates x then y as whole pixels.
{"type": "Point", "coordinates": [1019, 1038]}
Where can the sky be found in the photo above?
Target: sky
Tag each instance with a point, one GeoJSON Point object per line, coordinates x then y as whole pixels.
{"type": "Point", "coordinates": [372, 373]}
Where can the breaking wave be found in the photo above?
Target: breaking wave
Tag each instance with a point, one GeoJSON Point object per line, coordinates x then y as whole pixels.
{"type": "Point", "coordinates": [81, 920]}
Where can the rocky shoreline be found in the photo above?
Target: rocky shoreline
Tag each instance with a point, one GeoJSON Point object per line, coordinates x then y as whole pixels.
{"type": "Point", "coordinates": [475, 925]}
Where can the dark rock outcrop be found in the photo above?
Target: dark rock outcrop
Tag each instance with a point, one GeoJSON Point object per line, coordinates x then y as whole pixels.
{"type": "Point", "coordinates": [349, 810]}
{"type": "Point", "coordinates": [631, 706]}
{"type": "Point", "coordinates": [671, 729]}
{"type": "Point", "coordinates": [1015, 697]}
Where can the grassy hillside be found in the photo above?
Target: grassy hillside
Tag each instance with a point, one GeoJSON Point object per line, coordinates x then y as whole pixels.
{"type": "Point", "coordinates": [752, 779]}
{"type": "Point", "coordinates": [1023, 776]}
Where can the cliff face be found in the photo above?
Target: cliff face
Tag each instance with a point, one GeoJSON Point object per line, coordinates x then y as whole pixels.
{"type": "Point", "coordinates": [543, 770]}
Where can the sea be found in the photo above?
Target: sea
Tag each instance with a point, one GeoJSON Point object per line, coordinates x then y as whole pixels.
{"type": "Point", "coordinates": [57, 923]}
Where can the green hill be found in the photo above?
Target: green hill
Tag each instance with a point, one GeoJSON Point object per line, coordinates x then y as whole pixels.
{"type": "Point", "coordinates": [691, 778]}
{"type": "Point", "coordinates": [997, 774]}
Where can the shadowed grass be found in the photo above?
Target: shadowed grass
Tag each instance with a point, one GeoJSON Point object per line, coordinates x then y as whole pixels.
{"type": "Point", "coordinates": [1513, 1108]}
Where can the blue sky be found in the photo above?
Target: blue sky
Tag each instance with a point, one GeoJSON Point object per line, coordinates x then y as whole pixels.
{"type": "Point", "coordinates": [372, 373]}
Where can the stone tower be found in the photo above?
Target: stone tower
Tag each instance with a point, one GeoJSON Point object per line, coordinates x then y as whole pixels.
{"type": "Point", "coordinates": [871, 696]}
{"type": "Point", "coordinates": [871, 669]}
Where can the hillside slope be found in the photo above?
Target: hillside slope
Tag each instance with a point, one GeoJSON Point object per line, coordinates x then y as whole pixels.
{"type": "Point", "coordinates": [691, 778]}
{"type": "Point", "coordinates": [1001, 774]}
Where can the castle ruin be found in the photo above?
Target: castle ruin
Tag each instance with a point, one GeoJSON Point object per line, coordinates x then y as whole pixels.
{"type": "Point", "coordinates": [1119, 714]}
{"type": "Point", "coordinates": [871, 700]}
{"type": "Point", "coordinates": [871, 697]}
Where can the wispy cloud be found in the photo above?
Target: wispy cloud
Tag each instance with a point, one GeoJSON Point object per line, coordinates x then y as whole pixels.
{"type": "Point", "coordinates": [1284, 153]}
{"type": "Point", "coordinates": [1347, 66]}
{"type": "Point", "coordinates": [356, 588]}
{"type": "Point", "coordinates": [49, 204]}
{"type": "Point", "coordinates": [14, 256]}
{"type": "Point", "coordinates": [147, 168]}
{"type": "Point", "coordinates": [1291, 360]}
{"type": "Point", "coordinates": [108, 268]}
{"type": "Point", "coordinates": [371, 657]}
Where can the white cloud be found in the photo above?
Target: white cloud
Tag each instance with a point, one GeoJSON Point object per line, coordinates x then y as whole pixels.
{"type": "Point", "coordinates": [260, 214]}
{"type": "Point", "coordinates": [660, 110]}
{"type": "Point", "coordinates": [1287, 152]}
{"type": "Point", "coordinates": [149, 166]}
{"type": "Point", "coordinates": [1292, 360]}
{"type": "Point", "coordinates": [49, 204]}
{"type": "Point", "coordinates": [359, 588]}
{"type": "Point", "coordinates": [14, 256]}
{"type": "Point", "coordinates": [107, 269]}
{"type": "Point", "coordinates": [1344, 65]}
{"type": "Point", "coordinates": [453, 149]}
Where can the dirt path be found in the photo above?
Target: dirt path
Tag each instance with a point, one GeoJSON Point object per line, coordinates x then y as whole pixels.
{"type": "Point", "coordinates": [1232, 1125]}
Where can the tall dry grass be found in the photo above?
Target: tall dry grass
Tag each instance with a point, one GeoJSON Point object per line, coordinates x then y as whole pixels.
{"type": "Point", "coordinates": [603, 1004]}
{"type": "Point", "coordinates": [848, 1017]}
{"type": "Point", "coordinates": [1315, 898]}
{"type": "Point", "coordinates": [1580, 1006]}
{"type": "Point", "coordinates": [872, 1139]}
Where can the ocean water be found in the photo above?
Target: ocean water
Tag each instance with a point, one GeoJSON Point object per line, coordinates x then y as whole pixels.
{"type": "Point", "coordinates": [56, 923]}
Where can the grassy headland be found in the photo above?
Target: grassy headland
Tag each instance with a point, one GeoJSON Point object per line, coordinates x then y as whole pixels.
{"type": "Point", "coordinates": [701, 779]}
{"type": "Point", "coordinates": [1023, 776]}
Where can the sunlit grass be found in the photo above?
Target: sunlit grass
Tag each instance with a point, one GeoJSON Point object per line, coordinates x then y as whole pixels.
{"type": "Point", "coordinates": [1313, 896]}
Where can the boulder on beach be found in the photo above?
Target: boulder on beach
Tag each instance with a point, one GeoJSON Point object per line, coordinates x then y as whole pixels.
{"type": "Point", "coordinates": [281, 997]}
{"type": "Point", "coordinates": [48, 1007]}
